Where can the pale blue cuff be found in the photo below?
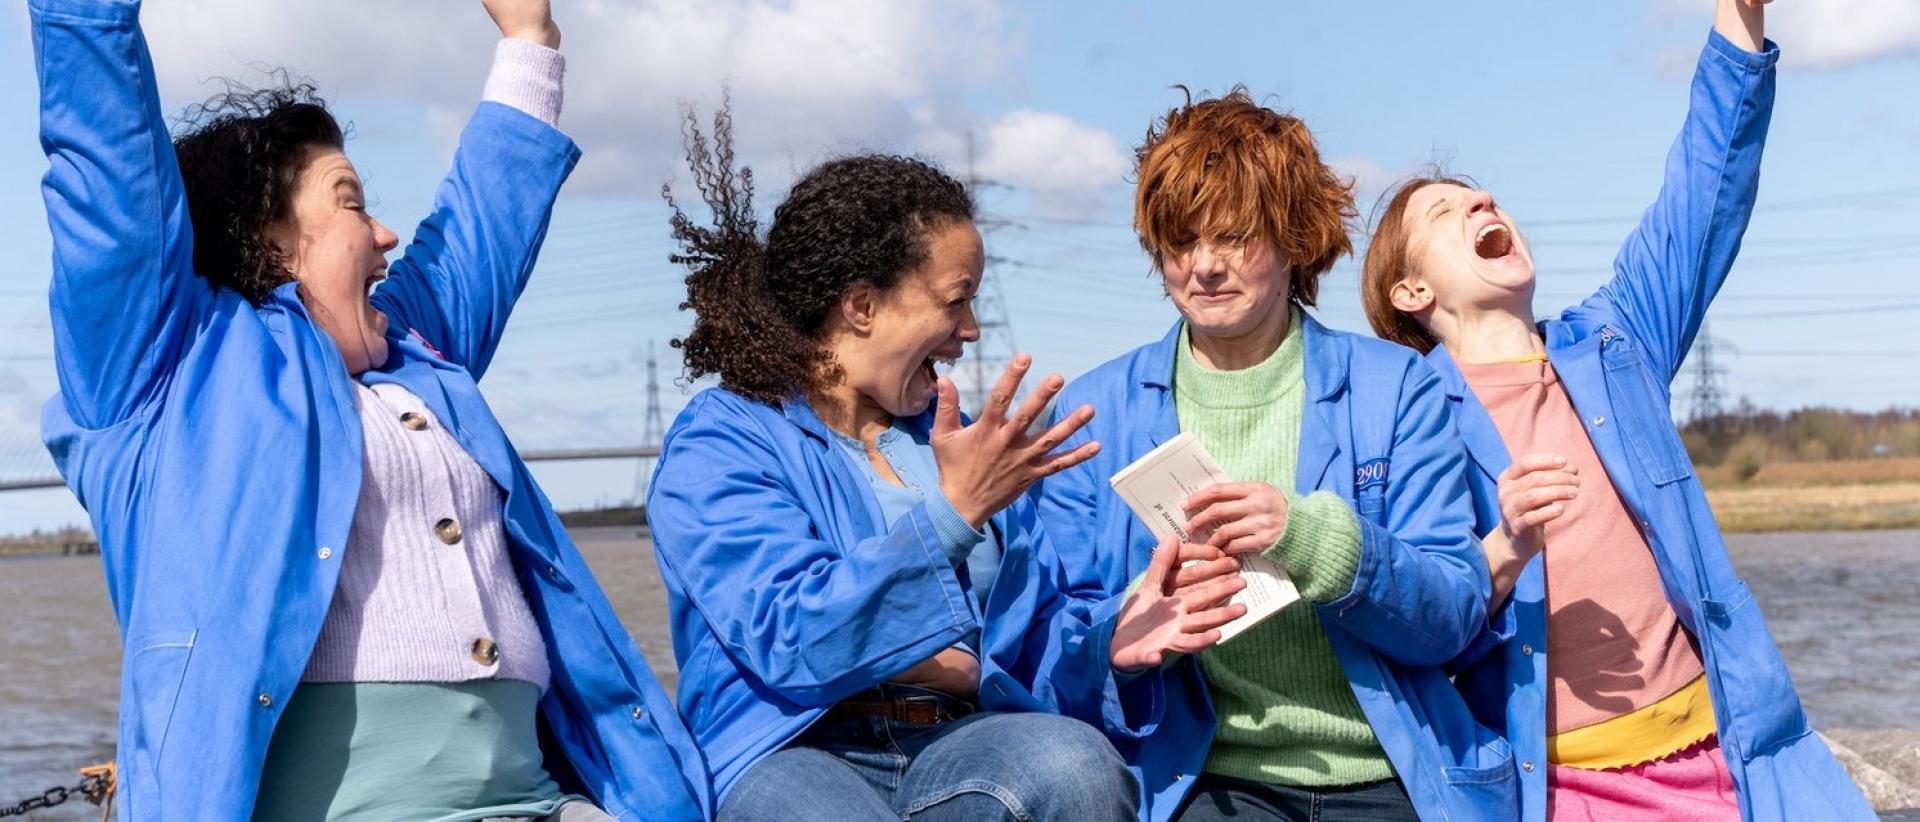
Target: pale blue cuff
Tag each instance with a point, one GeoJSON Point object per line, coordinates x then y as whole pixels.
{"type": "Point", "coordinates": [956, 537]}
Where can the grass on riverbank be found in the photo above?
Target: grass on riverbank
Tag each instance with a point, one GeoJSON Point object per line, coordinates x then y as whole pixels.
{"type": "Point", "coordinates": [1832, 495]}
{"type": "Point", "coordinates": [1827, 472]}
{"type": "Point", "coordinates": [1848, 507]}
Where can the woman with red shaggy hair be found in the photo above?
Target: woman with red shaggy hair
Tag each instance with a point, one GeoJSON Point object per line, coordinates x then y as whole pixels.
{"type": "Point", "coordinates": [1630, 668]}
{"type": "Point", "coordinates": [1349, 476]}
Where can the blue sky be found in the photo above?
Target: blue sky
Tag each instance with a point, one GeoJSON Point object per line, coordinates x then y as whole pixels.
{"type": "Point", "coordinates": [1564, 111]}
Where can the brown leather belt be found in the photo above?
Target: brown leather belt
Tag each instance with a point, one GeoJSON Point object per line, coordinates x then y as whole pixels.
{"type": "Point", "coordinates": [915, 710]}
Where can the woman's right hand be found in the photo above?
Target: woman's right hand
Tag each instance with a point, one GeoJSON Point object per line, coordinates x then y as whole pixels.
{"type": "Point", "coordinates": [1179, 606]}
{"type": "Point", "coordinates": [529, 20]}
{"type": "Point", "coordinates": [1533, 492]}
{"type": "Point", "coordinates": [985, 466]}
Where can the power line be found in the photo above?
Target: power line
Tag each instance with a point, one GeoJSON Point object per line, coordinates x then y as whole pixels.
{"type": "Point", "coordinates": [1707, 392]}
{"type": "Point", "coordinates": [996, 347]}
{"type": "Point", "coordinates": [1824, 312]}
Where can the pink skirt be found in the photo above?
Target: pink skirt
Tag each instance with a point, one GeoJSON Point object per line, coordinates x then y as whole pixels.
{"type": "Point", "coordinates": [1692, 785]}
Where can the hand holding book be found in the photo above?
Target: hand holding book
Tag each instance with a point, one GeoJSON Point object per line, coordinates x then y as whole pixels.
{"type": "Point", "coordinates": [1238, 517]}
{"type": "Point", "coordinates": [1179, 478]}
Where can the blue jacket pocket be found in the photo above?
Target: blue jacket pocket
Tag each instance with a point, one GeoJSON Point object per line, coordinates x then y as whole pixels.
{"type": "Point", "coordinates": [1753, 691]}
{"type": "Point", "coordinates": [156, 667]}
{"type": "Point", "coordinates": [1486, 788]}
{"type": "Point", "coordinates": [1641, 406]}
{"type": "Point", "coordinates": [1370, 503]}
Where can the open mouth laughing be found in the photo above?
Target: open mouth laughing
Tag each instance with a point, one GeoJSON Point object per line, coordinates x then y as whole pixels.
{"type": "Point", "coordinates": [927, 366]}
{"type": "Point", "coordinates": [1493, 241]}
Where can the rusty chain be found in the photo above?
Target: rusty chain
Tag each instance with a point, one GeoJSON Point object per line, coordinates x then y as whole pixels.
{"type": "Point", "coordinates": [96, 785]}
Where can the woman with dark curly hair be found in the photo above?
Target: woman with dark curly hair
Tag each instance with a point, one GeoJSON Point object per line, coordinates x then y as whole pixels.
{"type": "Point", "coordinates": [827, 528]}
{"type": "Point", "coordinates": [340, 593]}
{"type": "Point", "coordinates": [1349, 477]}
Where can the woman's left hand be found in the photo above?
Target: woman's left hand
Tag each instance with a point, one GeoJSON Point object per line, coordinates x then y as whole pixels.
{"type": "Point", "coordinates": [529, 20]}
{"type": "Point", "coordinates": [952, 671]}
{"type": "Point", "coordinates": [1237, 517]}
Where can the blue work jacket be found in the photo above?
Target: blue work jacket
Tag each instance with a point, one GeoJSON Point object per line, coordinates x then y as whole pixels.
{"type": "Point", "coordinates": [1616, 353]}
{"type": "Point", "coordinates": [789, 591]}
{"type": "Point", "coordinates": [217, 448]}
{"type": "Point", "coordinates": [1376, 432]}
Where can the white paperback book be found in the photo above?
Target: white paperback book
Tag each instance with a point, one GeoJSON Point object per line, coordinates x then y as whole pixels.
{"type": "Point", "coordinates": [1156, 487]}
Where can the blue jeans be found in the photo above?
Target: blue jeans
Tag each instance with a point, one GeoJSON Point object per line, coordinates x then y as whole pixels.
{"type": "Point", "coordinates": [1216, 798]}
{"type": "Point", "coordinates": [987, 766]}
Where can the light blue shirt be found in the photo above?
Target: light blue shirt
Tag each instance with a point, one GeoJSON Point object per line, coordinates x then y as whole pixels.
{"type": "Point", "coordinates": [911, 457]}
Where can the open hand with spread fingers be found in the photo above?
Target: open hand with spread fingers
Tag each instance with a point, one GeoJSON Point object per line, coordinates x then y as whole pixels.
{"type": "Point", "coordinates": [985, 466]}
{"type": "Point", "coordinates": [1179, 606]}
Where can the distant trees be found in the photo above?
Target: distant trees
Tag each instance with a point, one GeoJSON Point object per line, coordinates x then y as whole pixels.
{"type": "Point", "coordinates": [1747, 437]}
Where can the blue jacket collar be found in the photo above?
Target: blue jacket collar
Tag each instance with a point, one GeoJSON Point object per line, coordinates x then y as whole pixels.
{"type": "Point", "coordinates": [800, 412]}
{"type": "Point", "coordinates": [1326, 359]}
{"type": "Point", "coordinates": [1327, 365]}
{"type": "Point", "coordinates": [1484, 446]}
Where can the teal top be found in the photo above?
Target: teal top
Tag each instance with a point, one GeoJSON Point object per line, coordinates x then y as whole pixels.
{"type": "Point", "coordinates": [426, 751]}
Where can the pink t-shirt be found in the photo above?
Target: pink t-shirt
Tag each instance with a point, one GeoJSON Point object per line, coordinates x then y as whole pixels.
{"type": "Point", "coordinates": [1613, 641]}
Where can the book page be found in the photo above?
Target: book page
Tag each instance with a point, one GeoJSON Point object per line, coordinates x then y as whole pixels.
{"type": "Point", "coordinates": [1159, 483]}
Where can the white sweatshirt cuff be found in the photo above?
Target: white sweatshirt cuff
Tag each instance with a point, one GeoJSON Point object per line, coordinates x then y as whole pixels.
{"type": "Point", "coordinates": [529, 77]}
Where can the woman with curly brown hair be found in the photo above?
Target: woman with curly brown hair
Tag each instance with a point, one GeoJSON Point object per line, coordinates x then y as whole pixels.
{"type": "Point", "coordinates": [1350, 477]}
{"type": "Point", "coordinates": [341, 594]}
{"type": "Point", "coordinates": [865, 613]}
{"type": "Point", "coordinates": [1626, 661]}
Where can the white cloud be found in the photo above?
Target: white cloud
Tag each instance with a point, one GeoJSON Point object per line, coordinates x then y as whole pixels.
{"type": "Point", "coordinates": [1825, 34]}
{"type": "Point", "coordinates": [1049, 152]}
{"type": "Point", "coordinates": [1369, 177]}
{"type": "Point", "coordinates": [809, 78]}
{"type": "Point", "coordinates": [1841, 33]}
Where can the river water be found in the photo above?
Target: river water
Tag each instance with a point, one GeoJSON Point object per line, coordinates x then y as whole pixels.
{"type": "Point", "coordinates": [1843, 606]}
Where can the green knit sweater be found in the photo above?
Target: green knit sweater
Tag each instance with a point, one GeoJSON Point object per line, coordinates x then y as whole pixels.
{"type": "Point", "coordinates": [1287, 714]}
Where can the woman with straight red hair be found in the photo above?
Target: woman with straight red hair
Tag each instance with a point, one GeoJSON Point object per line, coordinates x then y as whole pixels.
{"type": "Point", "coordinates": [1629, 667]}
{"type": "Point", "coordinates": [1349, 475]}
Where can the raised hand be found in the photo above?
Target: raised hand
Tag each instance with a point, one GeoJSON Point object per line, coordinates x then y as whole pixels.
{"type": "Point", "coordinates": [1178, 608]}
{"type": "Point", "coordinates": [985, 466]}
{"type": "Point", "coordinates": [1533, 492]}
{"type": "Point", "coordinates": [1237, 517]}
{"type": "Point", "coordinates": [529, 20]}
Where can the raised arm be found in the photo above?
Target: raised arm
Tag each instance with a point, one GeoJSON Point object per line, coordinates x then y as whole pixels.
{"type": "Point", "coordinates": [1673, 264]}
{"type": "Point", "coordinates": [123, 295]}
{"type": "Point", "coordinates": [814, 620]}
{"type": "Point", "coordinates": [470, 258]}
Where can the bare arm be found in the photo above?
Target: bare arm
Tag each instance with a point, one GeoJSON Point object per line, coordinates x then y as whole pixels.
{"type": "Point", "coordinates": [1742, 22]}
